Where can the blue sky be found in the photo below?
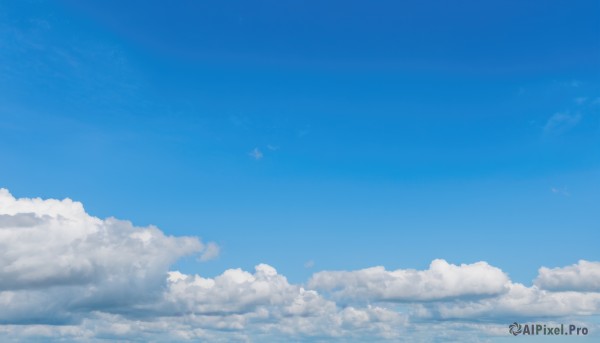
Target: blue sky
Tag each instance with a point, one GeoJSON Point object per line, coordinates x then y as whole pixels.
{"type": "Point", "coordinates": [338, 135]}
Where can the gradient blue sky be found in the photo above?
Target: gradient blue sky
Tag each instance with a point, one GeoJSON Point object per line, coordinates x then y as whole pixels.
{"type": "Point", "coordinates": [391, 133]}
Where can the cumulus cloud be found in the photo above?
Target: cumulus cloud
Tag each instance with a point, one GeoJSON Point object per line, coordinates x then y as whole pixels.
{"type": "Point", "coordinates": [55, 242]}
{"type": "Point", "coordinates": [265, 301]}
{"type": "Point", "coordinates": [53, 247]}
{"type": "Point", "coordinates": [441, 281]}
{"type": "Point", "coordinates": [106, 278]}
{"type": "Point", "coordinates": [67, 275]}
{"type": "Point", "coordinates": [583, 276]}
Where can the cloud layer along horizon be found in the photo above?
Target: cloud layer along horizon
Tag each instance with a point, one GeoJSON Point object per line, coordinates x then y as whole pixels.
{"type": "Point", "coordinates": [67, 275]}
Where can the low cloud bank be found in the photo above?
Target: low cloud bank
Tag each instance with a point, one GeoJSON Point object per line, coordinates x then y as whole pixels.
{"type": "Point", "coordinates": [67, 275]}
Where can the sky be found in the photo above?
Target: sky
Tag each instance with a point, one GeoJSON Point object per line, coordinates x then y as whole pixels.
{"type": "Point", "coordinates": [299, 144]}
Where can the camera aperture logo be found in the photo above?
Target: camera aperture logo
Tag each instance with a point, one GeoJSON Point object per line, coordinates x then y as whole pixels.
{"type": "Point", "coordinates": [516, 329]}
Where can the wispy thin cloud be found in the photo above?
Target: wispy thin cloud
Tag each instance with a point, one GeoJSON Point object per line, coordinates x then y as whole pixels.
{"type": "Point", "coordinates": [256, 154]}
{"type": "Point", "coordinates": [571, 83]}
{"type": "Point", "coordinates": [560, 191]}
{"type": "Point", "coordinates": [303, 132]}
{"type": "Point", "coordinates": [239, 121]}
{"type": "Point", "coordinates": [211, 251]}
{"type": "Point", "coordinates": [561, 122]}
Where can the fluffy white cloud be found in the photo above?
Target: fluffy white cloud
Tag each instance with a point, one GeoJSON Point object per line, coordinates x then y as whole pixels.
{"type": "Point", "coordinates": [62, 268]}
{"type": "Point", "coordinates": [583, 276]}
{"type": "Point", "coordinates": [58, 259]}
{"type": "Point", "coordinates": [266, 303]}
{"type": "Point", "coordinates": [44, 243]}
{"type": "Point", "coordinates": [66, 275]}
{"type": "Point", "coordinates": [441, 281]}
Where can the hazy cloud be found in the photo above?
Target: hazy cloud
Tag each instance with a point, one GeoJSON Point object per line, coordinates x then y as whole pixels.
{"type": "Point", "coordinates": [309, 264]}
{"type": "Point", "coordinates": [212, 251]}
{"type": "Point", "coordinates": [560, 191]}
{"type": "Point", "coordinates": [560, 122]}
{"type": "Point", "coordinates": [256, 154]}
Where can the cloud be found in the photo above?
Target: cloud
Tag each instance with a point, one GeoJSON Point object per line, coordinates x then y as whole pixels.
{"type": "Point", "coordinates": [78, 248]}
{"type": "Point", "coordinates": [583, 276]}
{"type": "Point", "coordinates": [519, 302]}
{"type": "Point", "coordinates": [558, 292]}
{"type": "Point", "coordinates": [265, 300]}
{"type": "Point", "coordinates": [256, 154]}
{"type": "Point", "coordinates": [55, 257]}
{"type": "Point", "coordinates": [560, 191]}
{"type": "Point", "coordinates": [239, 121]}
{"type": "Point", "coordinates": [569, 84]}
{"type": "Point", "coordinates": [211, 252]}
{"type": "Point", "coordinates": [560, 122]}
{"type": "Point", "coordinates": [93, 278]}
{"type": "Point", "coordinates": [441, 281]}
{"type": "Point", "coordinates": [67, 275]}
{"type": "Point", "coordinates": [236, 292]}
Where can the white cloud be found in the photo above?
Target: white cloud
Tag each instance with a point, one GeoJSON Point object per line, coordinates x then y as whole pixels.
{"type": "Point", "coordinates": [256, 154]}
{"type": "Point", "coordinates": [557, 292]}
{"type": "Point", "coordinates": [569, 84]}
{"type": "Point", "coordinates": [265, 301]}
{"type": "Point", "coordinates": [211, 252]}
{"type": "Point", "coordinates": [97, 278]}
{"type": "Point", "coordinates": [560, 122]}
{"type": "Point", "coordinates": [574, 83]}
{"type": "Point", "coordinates": [50, 242]}
{"type": "Point", "coordinates": [441, 281]}
{"type": "Point", "coordinates": [69, 276]}
{"type": "Point", "coordinates": [560, 191]}
{"type": "Point", "coordinates": [519, 302]}
{"type": "Point", "coordinates": [583, 276]}
{"type": "Point", "coordinates": [53, 253]}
